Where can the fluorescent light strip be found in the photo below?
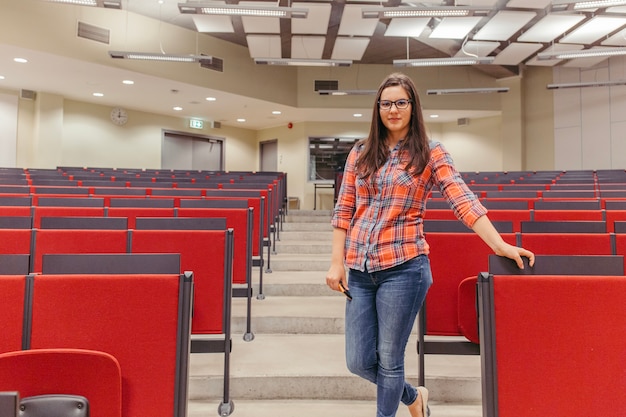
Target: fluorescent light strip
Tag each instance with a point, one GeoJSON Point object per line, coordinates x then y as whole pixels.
{"type": "Point", "coordinates": [239, 10]}
{"type": "Point", "coordinates": [590, 84]}
{"type": "Point", "coordinates": [393, 12]}
{"type": "Point", "coordinates": [110, 4]}
{"type": "Point", "coordinates": [436, 62]}
{"type": "Point", "coordinates": [78, 2]}
{"type": "Point", "coordinates": [485, 90]}
{"type": "Point", "coordinates": [159, 57]}
{"type": "Point", "coordinates": [304, 62]}
{"type": "Point", "coordinates": [347, 92]}
{"type": "Point", "coordinates": [583, 53]}
{"type": "Point", "coordinates": [598, 4]}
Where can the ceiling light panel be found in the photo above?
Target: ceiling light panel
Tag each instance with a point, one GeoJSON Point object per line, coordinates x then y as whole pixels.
{"type": "Point", "coordinates": [407, 28]}
{"type": "Point", "coordinates": [264, 46]}
{"type": "Point", "coordinates": [477, 48]}
{"type": "Point", "coordinates": [620, 9]}
{"type": "Point", "coordinates": [515, 53]}
{"type": "Point", "coordinates": [551, 26]}
{"type": "Point", "coordinates": [594, 29]}
{"type": "Point", "coordinates": [350, 48]}
{"type": "Point", "coordinates": [528, 4]}
{"type": "Point", "coordinates": [260, 24]}
{"type": "Point", "coordinates": [307, 47]}
{"type": "Point", "coordinates": [213, 24]}
{"type": "Point", "coordinates": [503, 25]}
{"type": "Point", "coordinates": [619, 39]}
{"type": "Point", "coordinates": [454, 27]}
{"type": "Point", "coordinates": [353, 24]}
{"type": "Point", "coordinates": [316, 23]}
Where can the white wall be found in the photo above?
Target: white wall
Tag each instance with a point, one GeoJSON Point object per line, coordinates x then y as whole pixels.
{"type": "Point", "coordinates": [590, 122]}
{"type": "Point", "coordinates": [8, 130]}
{"type": "Point", "coordinates": [477, 146]}
{"type": "Point", "coordinates": [71, 133]}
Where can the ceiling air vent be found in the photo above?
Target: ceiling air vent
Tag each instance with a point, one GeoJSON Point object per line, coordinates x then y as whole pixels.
{"type": "Point", "coordinates": [463, 121]}
{"type": "Point", "coordinates": [326, 85]}
{"type": "Point", "coordinates": [93, 33]}
{"type": "Point", "coordinates": [215, 64]}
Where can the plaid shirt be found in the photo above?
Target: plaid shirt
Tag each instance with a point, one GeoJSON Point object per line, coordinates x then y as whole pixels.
{"type": "Point", "coordinates": [383, 217]}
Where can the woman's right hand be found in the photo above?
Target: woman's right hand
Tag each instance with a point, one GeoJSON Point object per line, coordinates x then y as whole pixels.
{"type": "Point", "coordinates": [335, 275]}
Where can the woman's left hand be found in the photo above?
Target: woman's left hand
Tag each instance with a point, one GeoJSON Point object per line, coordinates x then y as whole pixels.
{"type": "Point", "coordinates": [516, 253]}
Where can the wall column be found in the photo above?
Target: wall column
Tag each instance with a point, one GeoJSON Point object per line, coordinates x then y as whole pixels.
{"type": "Point", "coordinates": [512, 127]}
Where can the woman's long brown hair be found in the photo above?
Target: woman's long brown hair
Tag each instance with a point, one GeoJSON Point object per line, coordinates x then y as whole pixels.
{"type": "Point", "coordinates": [376, 152]}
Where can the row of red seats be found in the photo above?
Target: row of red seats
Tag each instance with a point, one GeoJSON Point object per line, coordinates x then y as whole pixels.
{"type": "Point", "coordinates": [120, 341]}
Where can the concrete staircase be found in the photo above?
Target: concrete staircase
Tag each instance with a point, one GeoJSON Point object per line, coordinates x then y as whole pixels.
{"type": "Point", "coordinates": [295, 365]}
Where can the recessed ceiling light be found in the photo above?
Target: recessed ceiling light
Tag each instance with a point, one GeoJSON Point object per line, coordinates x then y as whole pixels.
{"type": "Point", "coordinates": [128, 82]}
{"type": "Point", "coordinates": [211, 99]}
{"type": "Point", "coordinates": [241, 120]}
{"type": "Point", "coordinates": [277, 112]}
{"type": "Point", "coordinates": [1, 77]}
{"type": "Point", "coordinates": [178, 108]}
{"type": "Point", "coordinates": [20, 60]}
{"type": "Point", "coordinates": [357, 115]}
{"type": "Point", "coordinates": [98, 95]}
{"type": "Point", "coordinates": [434, 116]}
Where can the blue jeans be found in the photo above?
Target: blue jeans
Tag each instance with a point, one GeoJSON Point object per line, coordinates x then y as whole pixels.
{"type": "Point", "coordinates": [379, 320]}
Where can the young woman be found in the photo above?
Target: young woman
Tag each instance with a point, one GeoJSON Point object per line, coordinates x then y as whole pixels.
{"type": "Point", "coordinates": [378, 236]}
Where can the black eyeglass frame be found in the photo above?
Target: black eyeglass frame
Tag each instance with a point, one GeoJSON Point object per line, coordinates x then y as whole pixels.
{"type": "Point", "coordinates": [392, 103]}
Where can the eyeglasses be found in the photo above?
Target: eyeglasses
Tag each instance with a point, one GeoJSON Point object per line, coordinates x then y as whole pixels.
{"type": "Point", "coordinates": [401, 104]}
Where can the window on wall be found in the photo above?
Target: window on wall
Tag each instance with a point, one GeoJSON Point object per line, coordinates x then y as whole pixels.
{"type": "Point", "coordinates": [327, 155]}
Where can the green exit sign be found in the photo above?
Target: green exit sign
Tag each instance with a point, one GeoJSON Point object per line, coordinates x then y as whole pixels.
{"type": "Point", "coordinates": [196, 124]}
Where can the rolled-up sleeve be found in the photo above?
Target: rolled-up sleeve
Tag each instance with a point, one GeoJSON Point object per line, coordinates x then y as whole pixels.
{"type": "Point", "coordinates": [346, 199]}
{"type": "Point", "coordinates": [466, 206]}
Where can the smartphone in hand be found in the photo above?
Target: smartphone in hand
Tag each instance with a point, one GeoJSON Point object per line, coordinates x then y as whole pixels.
{"type": "Point", "coordinates": [344, 291]}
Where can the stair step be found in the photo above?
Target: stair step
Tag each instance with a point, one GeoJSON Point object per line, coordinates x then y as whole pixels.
{"type": "Point", "coordinates": [300, 262]}
{"type": "Point", "coordinates": [326, 408]}
{"type": "Point", "coordinates": [293, 283]}
{"type": "Point", "coordinates": [301, 366]}
{"type": "Point", "coordinates": [292, 315]}
{"type": "Point", "coordinates": [302, 234]}
{"type": "Point", "coordinates": [304, 247]}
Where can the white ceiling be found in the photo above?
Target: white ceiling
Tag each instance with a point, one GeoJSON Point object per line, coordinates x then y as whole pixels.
{"type": "Point", "coordinates": [513, 31]}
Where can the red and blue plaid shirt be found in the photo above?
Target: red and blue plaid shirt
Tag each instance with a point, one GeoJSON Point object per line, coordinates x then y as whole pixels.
{"type": "Point", "coordinates": [383, 216]}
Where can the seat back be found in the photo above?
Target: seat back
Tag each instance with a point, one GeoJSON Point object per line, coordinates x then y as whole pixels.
{"type": "Point", "coordinates": [568, 243]}
{"type": "Point", "coordinates": [111, 263]}
{"type": "Point", "coordinates": [67, 211]}
{"type": "Point", "coordinates": [542, 333]}
{"type": "Point", "coordinates": [142, 320]}
{"type": "Point", "coordinates": [69, 241]}
{"type": "Point", "coordinates": [15, 241]}
{"type": "Point", "coordinates": [453, 257]}
{"type": "Point", "coordinates": [76, 222]}
{"type": "Point", "coordinates": [13, 293]}
{"type": "Point", "coordinates": [240, 220]}
{"type": "Point", "coordinates": [205, 252]}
